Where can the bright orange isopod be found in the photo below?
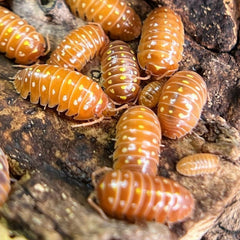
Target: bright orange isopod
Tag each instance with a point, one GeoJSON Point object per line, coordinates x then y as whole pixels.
{"type": "Point", "coordinates": [138, 139]}
{"type": "Point", "coordinates": [69, 90]}
{"type": "Point", "coordinates": [79, 47]}
{"type": "Point", "coordinates": [161, 44]}
{"type": "Point", "coordinates": [116, 16]}
{"type": "Point", "coordinates": [18, 39]}
{"type": "Point", "coordinates": [181, 102]}
{"type": "Point", "coordinates": [131, 195]}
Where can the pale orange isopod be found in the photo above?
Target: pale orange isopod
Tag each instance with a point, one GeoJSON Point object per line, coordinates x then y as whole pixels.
{"type": "Point", "coordinates": [198, 164]}
{"type": "Point", "coordinates": [72, 92]}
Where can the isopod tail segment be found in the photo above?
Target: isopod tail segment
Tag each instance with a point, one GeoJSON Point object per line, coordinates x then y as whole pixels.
{"type": "Point", "coordinates": [47, 50]}
{"type": "Point", "coordinates": [92, 199]}
{"type": "Point", "coordinates": [131, 195]}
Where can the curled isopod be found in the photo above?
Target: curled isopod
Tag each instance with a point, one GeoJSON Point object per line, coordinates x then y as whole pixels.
{"type": "Point", "coordinates": [198, 164]}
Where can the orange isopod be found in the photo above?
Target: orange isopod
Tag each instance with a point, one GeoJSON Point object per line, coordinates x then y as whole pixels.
{"type": "Point", "coordinates": [120, 72]}
{"type": "Point", "coordinates": [181, 101]}
{"type": "Point", "coordinates": [125, 194]}
{"type": "Point", "coordinates": [18, 39]}
{"type": "Point", "coordinates": [149, 96]}
{"type": "Point", "coordinates": [116, 16]}
{"type": "Point", "coordinates": [79, 47]}
{"type": "Point", "coordinates": [161, 44]}
{"type": "Point", "coordinates": [138, 139]}
{"type": "Point", "coordinates": [4, 178]}
{"type": "Point", "coordinates": [198, 164]}
{"type": "Point", "coordinates": [72, 91]}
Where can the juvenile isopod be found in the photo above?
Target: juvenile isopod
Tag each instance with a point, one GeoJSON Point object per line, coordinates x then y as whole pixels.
{"type": "Point", "coordinates": [131, 195]}
{"type": "Point", "coordinates": [161, 44]}
{"type": "Point", "coordinates": [149, 96]}
{"type": "Point", "coordinates": [116, 16]}
{"type": "Point", "coordinates": [180, 105]}
{"type": "Point", "coordinates": [18, 39]}
{"type": "Point", "coordinates": [198, 164]}
{"type": "Point", "coordinates": [120, 72]}
{"type": "Point", "coordinates": [138, 139]}
{"type": "Point", "coordinates": [4, 178]}
{"type": "Point", "coordinates": [70, 91]}
{"type": "Point", "coordinates": [79, 46]}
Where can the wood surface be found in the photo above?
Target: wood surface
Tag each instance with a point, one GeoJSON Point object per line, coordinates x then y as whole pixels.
{"type": "Point", "coordinates": [51, 163]}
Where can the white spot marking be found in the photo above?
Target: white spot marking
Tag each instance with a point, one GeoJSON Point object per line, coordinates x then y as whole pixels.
{"type": "Point", "coordinates": [43, 88]}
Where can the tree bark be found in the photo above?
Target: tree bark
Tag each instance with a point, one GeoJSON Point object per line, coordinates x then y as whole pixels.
{"type": "Point", "coordinates": [51, 163]}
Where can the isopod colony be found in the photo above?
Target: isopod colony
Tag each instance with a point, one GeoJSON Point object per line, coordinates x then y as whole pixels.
{"type": "Point", "coordinates": [131, 190]}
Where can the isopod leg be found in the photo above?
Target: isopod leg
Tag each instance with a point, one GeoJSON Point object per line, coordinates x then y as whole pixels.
{"type": "Point", "coordinates": [144, 78]}
{"type": "Point", "coordinates": [167, 73]}
{"type": "Point", "coordinates": [93, 204]}
{"type": "Point", "coordinates": [88, 123]}
{"type": "Point", "coordinates": [19, 66]}
{"type": "Point", "coordinates": [48, 46]}
{"type": "Point", "coordinates": [125, 106]}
